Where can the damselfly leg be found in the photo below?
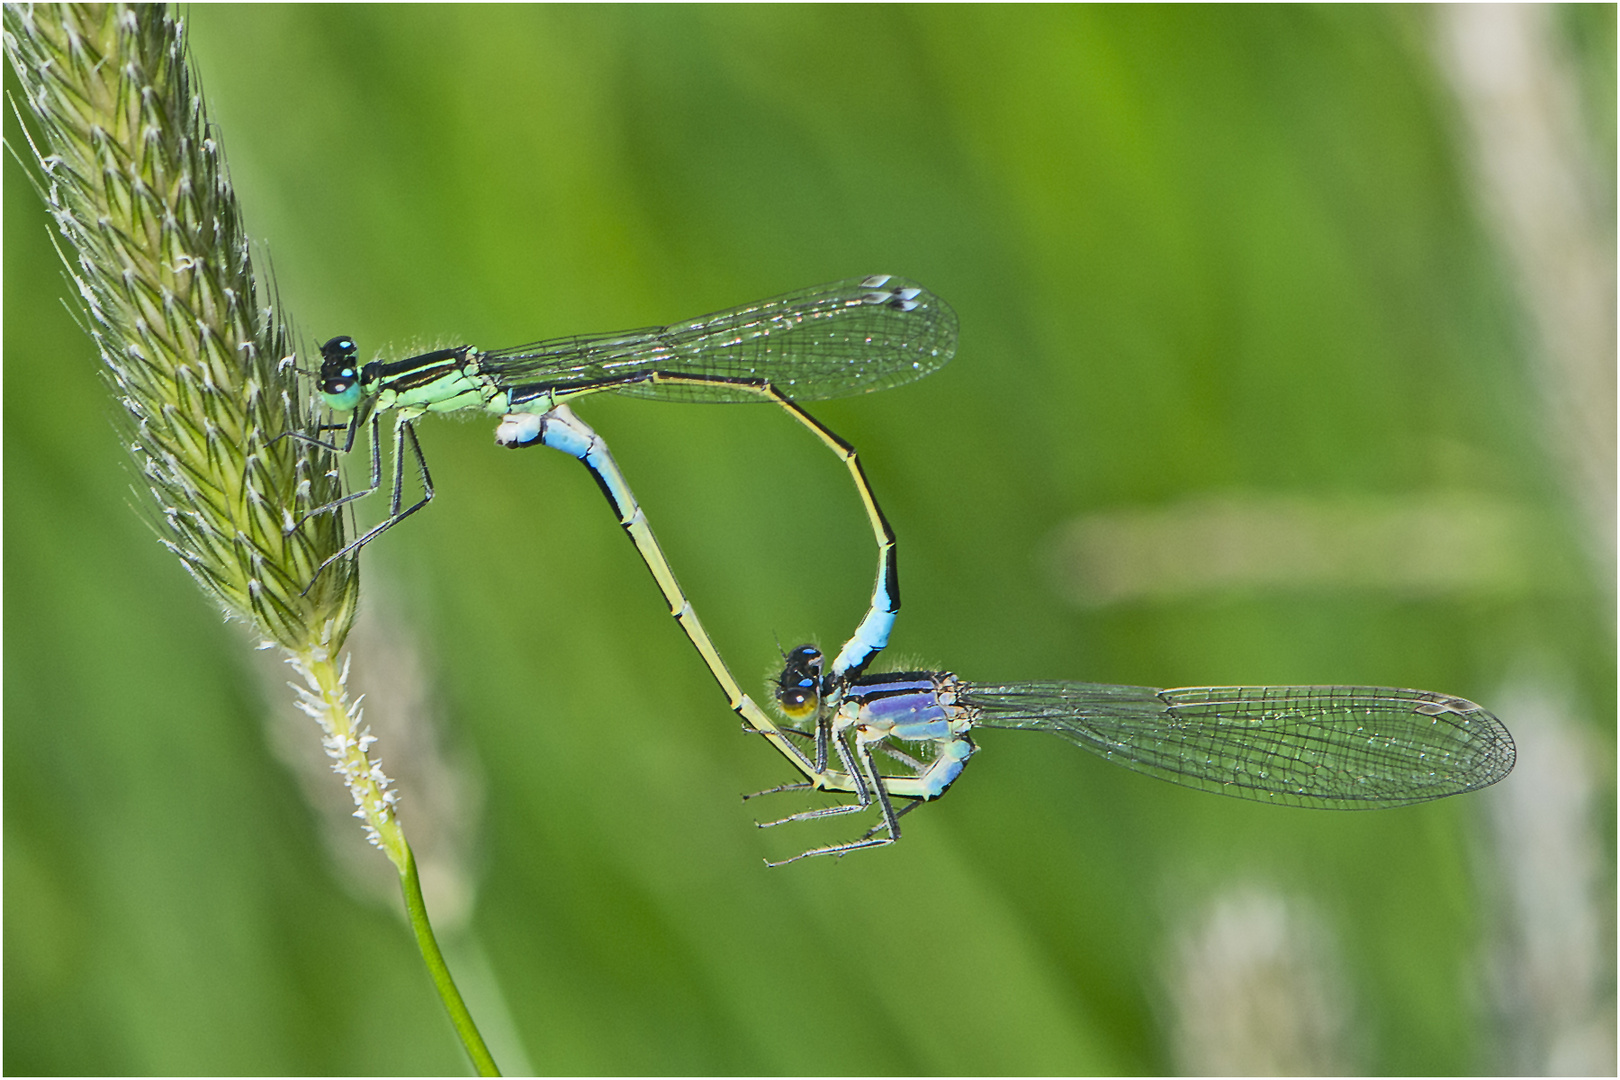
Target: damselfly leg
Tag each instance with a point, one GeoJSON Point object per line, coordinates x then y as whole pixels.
{"type": "Point", "coordinates": [404, 431]}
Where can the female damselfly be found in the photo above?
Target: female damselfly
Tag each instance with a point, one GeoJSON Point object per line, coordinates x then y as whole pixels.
{"type": "Point", "coordinates": [1331, 747]}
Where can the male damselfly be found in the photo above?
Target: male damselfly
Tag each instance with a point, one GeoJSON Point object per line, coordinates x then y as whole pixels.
{"type": "Point", "coordinates": [848, 337]}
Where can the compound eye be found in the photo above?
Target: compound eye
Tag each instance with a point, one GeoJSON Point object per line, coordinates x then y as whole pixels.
{"type": "Point", "coordinates": [340, 349]}
{"type": "Point", "coordinates": [798, 702]}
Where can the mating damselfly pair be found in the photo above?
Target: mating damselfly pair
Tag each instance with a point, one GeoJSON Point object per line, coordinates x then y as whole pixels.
{"type": "Point", "coordinates": [1337, 747]}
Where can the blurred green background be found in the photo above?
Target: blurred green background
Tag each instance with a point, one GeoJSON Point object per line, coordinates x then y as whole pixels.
{"type": "Point", "coordinates": [1209, 264]}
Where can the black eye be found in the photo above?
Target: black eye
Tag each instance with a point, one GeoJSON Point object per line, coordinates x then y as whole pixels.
{"type": "Point", "coordinates": [339, 350]}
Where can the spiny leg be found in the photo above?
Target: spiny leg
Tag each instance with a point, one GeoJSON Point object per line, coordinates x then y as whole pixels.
{"type": "Point", "coordinates": [823, 737]}
{"type": "Point", "coordinates": [863, 794]}
{"type": "Point", "coordinates": [891, 820]}
{"type": "Point", "coordinates": [403, 429]}
{"type": "Point", "coordinates": [802, 785]}
{"type": "Point", "coordinates": [348, 444]}
{"type": "Point", "coordinates": [900, 813]}
{"type": "Point", "coordinates": [351, 427]}
{"type": "Point", "coordinates": [869, 839]}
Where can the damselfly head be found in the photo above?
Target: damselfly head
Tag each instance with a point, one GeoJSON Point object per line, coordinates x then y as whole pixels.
{"type": "Point", "coordinates": [340, 374]}
{"type": "Point", "coordinates": [798, 690]}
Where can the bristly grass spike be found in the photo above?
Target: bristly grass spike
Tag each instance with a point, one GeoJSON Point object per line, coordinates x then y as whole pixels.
{"type": "Point", "coordinates": [153, 240]}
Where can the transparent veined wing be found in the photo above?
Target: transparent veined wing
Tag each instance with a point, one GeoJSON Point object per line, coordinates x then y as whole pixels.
{"type": "Point", "coordinates": [849, 337]}
{"type": "Point", "coordinates": [1337, 747]}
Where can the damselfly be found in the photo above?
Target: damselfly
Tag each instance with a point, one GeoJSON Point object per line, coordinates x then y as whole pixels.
{"type": "Point", "coordinates": [1331, 747]}
{"type": "Point", "coordinates": [848, 337]}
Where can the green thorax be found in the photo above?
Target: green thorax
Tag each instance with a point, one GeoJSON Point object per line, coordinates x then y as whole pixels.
{"type": "Point", "coordinates": [442, 381]}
